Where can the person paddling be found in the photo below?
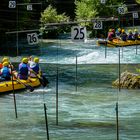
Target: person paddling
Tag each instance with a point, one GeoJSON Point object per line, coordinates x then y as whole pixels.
{"type": "Point", "coordinates": [6, 71]}
{"type": "Point", "coordinates": [111, 35]}
{"type": "Point", "coordinates": [23, 69]}
{"type": "Point", "coordinates": [130, 35]}
{"type": "Point", "coordinates": [123, 35]}
{"type": "Point", "coordinates": [118, 32]}
{"type": "Point", "coordinates": [35, 72]}
{"type": "Point", "coordinates": [35, 68]}
{"type": "Point", "coordinates": [136, 35]}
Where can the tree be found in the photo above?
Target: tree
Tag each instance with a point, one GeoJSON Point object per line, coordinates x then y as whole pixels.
{"type": "Point", "coordinates": [50, 16]}
{"type": "Point", "coordinates": [138, 1]}
{"type": "Point", "coordinates": [90, 9]}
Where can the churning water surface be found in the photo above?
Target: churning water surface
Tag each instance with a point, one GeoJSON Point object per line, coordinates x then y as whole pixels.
{"type": "Point", "coordinates": [88, 113]}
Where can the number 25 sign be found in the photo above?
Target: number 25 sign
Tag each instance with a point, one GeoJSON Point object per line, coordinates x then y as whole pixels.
{"type": "Point", "coordinates": [78, 33]}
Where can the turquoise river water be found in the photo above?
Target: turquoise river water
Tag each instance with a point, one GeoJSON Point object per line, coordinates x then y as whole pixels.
{"type": "Point", "coordinates": [86, 114]}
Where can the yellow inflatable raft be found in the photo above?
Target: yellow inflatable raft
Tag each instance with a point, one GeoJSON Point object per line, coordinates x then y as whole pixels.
{"type": "Point", "coordinates": [17, 84]}
{"type": "Point", "coordinates": [118, 43]}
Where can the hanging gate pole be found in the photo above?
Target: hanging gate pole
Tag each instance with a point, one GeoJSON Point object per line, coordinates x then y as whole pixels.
{"type": "Point", "coordinates": [117, 121]}
{"type": "Point", "coordinates": [46, 121]}
{"type": "Point", "coordinates": [57, 97]}
{"type": "Point", "coordinates": [15, 105]}
{"type": "Point", "coordinates": [106, 50]}
{"type": "Point", "coordinates": [117, 112]}
{"type": "Point", "coordinates": [76, 75]}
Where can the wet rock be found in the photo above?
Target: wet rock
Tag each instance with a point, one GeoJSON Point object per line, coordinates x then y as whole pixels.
{"type": "Point", "coordinates": [128, 80]}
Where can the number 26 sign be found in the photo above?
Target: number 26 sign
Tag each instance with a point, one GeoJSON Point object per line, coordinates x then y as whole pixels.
{"type": "Point", "coordinates": [78, 33]}
{"type": "Point", "coordinates": [32, 38]}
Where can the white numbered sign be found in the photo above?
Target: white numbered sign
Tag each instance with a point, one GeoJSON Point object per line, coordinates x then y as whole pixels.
{"type": "Point", "coordinates": [12, 4]}
{"type": "Point", "coordinates": [32, 38]}
{"type": "Point", "coordinates": [78, 33]}
{"type": "Point", "coordinates": [121, 10]}
{"type": "Point", "coordinates": [29, 8]}
{"type": "Point", "coordinates": [103, 1]}
{"type": "Point", "coordinates": [98, 25]}
{"type": "Point", "coordinates": [135, 15]}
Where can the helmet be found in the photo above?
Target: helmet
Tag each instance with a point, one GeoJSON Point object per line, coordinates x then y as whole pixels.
{"type": "Point", "coordinates": [135, 30]}
{"type": "Point", "coordinates": [110, 30]}
{"type": "Point", "coordinates": [25, 60]}
{"type": "Point", "coordinates": [36, 60]}
{"type": "Point", "coordinates": [123, 30]}
{"type": "Point", "coordinates": [1, 65]}
{"type": "Point", "coordinates": [5, 59]}
{"type": "Point", "coordinates": [5, 63]}
{"type": "Point", "coordinates": [129, 31]}
{"type": "Point", "coordinates": [119, 29]}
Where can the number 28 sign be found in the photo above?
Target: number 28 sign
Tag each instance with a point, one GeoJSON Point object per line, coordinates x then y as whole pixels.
{"type": "Point", "coordinates": [98, 25]}
{"type": "Point", "coordinates": [78, 33]}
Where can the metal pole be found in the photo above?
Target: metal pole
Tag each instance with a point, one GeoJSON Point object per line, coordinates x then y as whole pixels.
{"type": "Point", "coordinates": [119, 21]}
{"type": "Point", "coordinates": [76, 75]}
{"type": "Point", "coordinates": [133, 27]}
{"type": "Point", "coordinates": [133, 22]}
{"type": "Point", "coordinates": [122, 51]}
{"type": "Point", "coordinates": [117, 121]}
{"type": "Point", "coordinates": [46, 121]}
{"type": "Point", "coordinates": [14, 100]}
{"type": "Point", "coordinates": [57, 97]}
{"type": "Point", "coordinates": [117, 114]}
{"type": "Point", "coordinates": [17, 33]}
{"type": "Point", "coordinates": [136, 49]}
{"type": "Point", "coordinates": [106, 51]}
{"type": "Point", "coordinates": [119, 71]}
{"type": "Point", "coordinates": [15, 105]}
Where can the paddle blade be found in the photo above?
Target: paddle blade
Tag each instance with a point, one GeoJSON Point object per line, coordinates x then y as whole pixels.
{"type": "Point", "coordinates": [31, 89]}
{"type": "Point", "coordinates": [43, 80]}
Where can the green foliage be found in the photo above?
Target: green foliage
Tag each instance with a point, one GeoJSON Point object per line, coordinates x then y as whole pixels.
{"type": "Point", "coordinates": [50, 16]}
{"type": "Point", "coordinates": [90, 9]}
{"type": "Point", "coordinates": [84, 10]}
{"type": "Point", "coordinates": [138, 1]}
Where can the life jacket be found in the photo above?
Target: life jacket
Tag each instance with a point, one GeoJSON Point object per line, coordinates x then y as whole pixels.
{"type": "Point", "coordinates": [130, 36]}
{"type": "Point", "coordinates": [118, 33]}
{"type": "Point", "coordinates": [5, 72]}
{"type": "Point", "coordinates": [136, 36]}
{"type": "Point", "coordinates": [23, 71]}
{"type": "Point", "coordinates": [110, 36]}
{"type": "Point", "coordinates": [35, 68]}
{"type": "Point", "coordinates": [123, 36]}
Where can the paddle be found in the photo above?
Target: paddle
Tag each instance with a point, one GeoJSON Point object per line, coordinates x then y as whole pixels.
{"type": "Point", "coordinates": [29, 87]}
{"type": "Point", "coordinates": [42, 79]}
